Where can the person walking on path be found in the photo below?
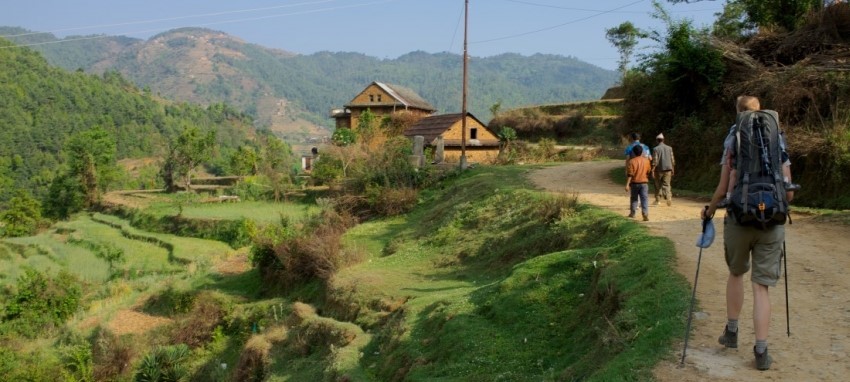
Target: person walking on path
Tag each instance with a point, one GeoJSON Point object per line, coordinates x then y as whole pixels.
{"type": "Point", "coordinates": [636, 142]}
{"type": "Point", "coordinates": [746, 247]}
{"type": "Point", "coordinates": [663, 164]}
{"type": "Point", "coordinates": [637, 182]}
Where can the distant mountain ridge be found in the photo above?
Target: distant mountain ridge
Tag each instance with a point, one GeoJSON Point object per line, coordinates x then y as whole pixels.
{"type": "Point", "coordinates": [292, 93]}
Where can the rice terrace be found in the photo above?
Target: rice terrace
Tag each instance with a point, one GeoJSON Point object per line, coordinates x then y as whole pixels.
{"type": "Point", "coordinates": [196, 207]}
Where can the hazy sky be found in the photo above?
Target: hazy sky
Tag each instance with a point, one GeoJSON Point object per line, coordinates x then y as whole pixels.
{"type": "Point", "coordinates": [379, 28]}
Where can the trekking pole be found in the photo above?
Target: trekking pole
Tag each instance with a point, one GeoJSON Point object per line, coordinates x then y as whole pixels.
{"type": "Point", "coordinates": [785, 260]}
{"type": "Point", "coordinates": [787, 309]}
{"type": "Point", "coordinates": [694, 293]}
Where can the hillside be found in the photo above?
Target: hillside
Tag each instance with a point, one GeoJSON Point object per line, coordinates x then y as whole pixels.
{"type": "Point", "coordinates": [293, 93]}
{"type": "Point", "coordinates": [42, 106]}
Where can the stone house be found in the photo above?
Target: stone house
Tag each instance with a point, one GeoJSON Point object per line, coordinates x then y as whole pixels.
{"type": "Point", "coordinates": [381, 100]}
{"type": "Point", "coordinates": [482, 145]}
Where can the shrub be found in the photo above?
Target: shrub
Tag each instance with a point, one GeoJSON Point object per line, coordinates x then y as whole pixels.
{"type": "Point", "coordinates": [42, 302]}
{"type": "Point", "coordinates": [387, 201]}
{"type": "Point", "coordinates": [170, 302]}
{"type": "Point", "coordinates": [311, 253]}
{"type": "Point", "coordinates": [164, 364]}
{"type": "Point", "coordinates": [22, 217]}
{"type": "Point", "coordinates": [112, 355]}
{"type": "Point", "coordinates": [197, 329]}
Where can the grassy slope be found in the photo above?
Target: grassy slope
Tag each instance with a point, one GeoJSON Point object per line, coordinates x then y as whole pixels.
{"type": "Point", "coordinates": [491, 280]}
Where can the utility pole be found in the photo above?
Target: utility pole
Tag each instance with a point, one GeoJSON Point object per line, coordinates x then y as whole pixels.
{"type": "Point", "coordinates": [463, 102]}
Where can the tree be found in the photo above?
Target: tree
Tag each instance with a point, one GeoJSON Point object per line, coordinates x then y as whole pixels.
{"type": "Point", "coordinates": [91, 160]}
{"type": "Point", "coordinates": [64, 197]}
{"type": "Point", "coordinates": [244, 161]}
{"type": "Point", "coordinates": [496, 108]}
{"type": "Point", "coordinates": [344, 137]}
{"type": "Point", "coordinates": [190, 149]}
{"type": "Point", "coordinates": [277, 164]}
{"type": "Point", "coordinates": [506, 136]}
{"type": "Point", "coordinates": [22, 216]}
{"type": "Point", "coordinates": [764, 13]}
{"type": "Point", "coordinates": [624, 37]}
{"type": "Point", "coordinates": [367, 128]}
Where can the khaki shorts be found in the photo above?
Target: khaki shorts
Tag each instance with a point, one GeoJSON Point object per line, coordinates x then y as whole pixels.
{"type": "Point", "coordinates": [764, 245]}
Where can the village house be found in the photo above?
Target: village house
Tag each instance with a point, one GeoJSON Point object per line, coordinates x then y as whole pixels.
{"type": "Point", "coordinates": [381, 100]}
{"type": "Point", "coordinates": [445, 131]}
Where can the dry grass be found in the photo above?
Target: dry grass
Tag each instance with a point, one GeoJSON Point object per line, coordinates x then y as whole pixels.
{"type": "Point", "coordinates": [254, 359]}
{"type": "Point", "coordinates": [197, 328]}
{"type": "Point", "coordinates": [132, 322]}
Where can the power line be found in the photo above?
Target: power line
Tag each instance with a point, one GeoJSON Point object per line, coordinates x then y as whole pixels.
{"type": "Point", "coordinates": [600, 13]}
{"type": "Point", "coordinates": [205, 24]}
{"type": "Point", "coordinates": [457, 26]}
{"type": "Point", "coordinates": [597, 10]}
{"type": "Point", "coordinates": [170, 18]}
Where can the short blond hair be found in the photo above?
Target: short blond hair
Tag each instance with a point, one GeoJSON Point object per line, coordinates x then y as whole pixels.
{"type": "Point", "coordinates": [747, 103]}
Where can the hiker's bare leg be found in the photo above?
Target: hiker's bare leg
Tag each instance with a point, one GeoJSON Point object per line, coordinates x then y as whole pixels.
{"type": "Point", "coordinates": [734, 296]}
{"type": "Point", "coordinates": [761, 311]}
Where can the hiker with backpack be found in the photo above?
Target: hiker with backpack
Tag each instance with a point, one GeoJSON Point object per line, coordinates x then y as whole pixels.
{"type": "Point", "coordinates": [757, 168]}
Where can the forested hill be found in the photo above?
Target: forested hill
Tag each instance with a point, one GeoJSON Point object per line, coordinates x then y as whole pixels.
{"type": "Point", "coordinates": [283, 90]}
{"type": "Point", "coordinates": [42, 106]}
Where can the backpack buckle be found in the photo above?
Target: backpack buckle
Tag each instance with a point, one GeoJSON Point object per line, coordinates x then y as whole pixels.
{"type": "Point", "coordinates": [761, 206]}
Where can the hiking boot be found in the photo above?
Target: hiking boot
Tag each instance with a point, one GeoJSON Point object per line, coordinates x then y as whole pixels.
{"type": "Point", "coordinates": [632, 214]}
{"type": "Point", "coordinates": [763, 360]}
{"type": "Point", "coordinates": [656, 202]}
{"type": "Point", "coordinates": [669, 202]}
{"type": "Point", "coordinates": [645, 217]}
{"type": "Point", "coordinates": [729, 339]}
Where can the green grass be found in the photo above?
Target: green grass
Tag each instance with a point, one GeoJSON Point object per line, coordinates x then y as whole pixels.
{"type": "Point", "coordinates": [138, 255]}
{"type": "Point", "coordinates": [263, 212]}
{"type": "Point", "coordinates": [58, 254]}
{"type": "Point", "coordinates": [186, 248]}
{"type": "Point", "coordinates": [503, 283]}
{"type": "Point", "coordinates": [487, 279]}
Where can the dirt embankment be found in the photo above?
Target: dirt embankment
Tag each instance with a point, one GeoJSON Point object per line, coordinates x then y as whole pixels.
{"type": "Point", "coordinates": [818, 288]}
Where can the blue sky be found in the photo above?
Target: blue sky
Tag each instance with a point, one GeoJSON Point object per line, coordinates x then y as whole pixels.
{"type": "Point", "coordinates": [378, 28]}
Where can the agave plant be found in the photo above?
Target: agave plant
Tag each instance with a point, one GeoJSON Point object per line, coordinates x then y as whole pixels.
{"type": "Point", "coordinates": [164, 364]}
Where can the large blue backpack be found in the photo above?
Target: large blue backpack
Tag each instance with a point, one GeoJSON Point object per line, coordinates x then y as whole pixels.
{"type": "Point", "coordinates": [758, 198]}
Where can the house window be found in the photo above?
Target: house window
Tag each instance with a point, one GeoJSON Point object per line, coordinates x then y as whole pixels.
{"type": "Point", "coordinates": [371, 98]}
{"type": "Point", "coordinates": [473, 133]}
{"type": "Point", "coordinates": [379, 98]}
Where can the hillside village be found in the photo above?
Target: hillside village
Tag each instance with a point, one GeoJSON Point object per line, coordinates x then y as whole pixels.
{"type": "Point", "coordinates": [124, 257]}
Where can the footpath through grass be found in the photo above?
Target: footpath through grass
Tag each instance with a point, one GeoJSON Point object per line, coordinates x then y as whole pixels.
{"type": "Point", "coordinates": [491, 280]}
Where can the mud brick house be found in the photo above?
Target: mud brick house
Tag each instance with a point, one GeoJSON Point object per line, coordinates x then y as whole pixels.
{"type": "Point", "coordinates": [482, 145]}
{"type": "Point", "coordinates": [381, 99]}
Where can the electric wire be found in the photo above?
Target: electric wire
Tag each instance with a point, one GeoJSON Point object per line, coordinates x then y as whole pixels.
{"type": "Point", "coordinates": [170, 18]}
{"type": "Point", "coordinates": [557, 26]}
{"type": "Point", "coordinates": [83, 38]}
{"type": "Point", "coordinates": [597, 10]}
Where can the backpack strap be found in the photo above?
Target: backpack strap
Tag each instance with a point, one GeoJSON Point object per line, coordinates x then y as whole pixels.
{"type": "Point", "coordinates": [746, 176]}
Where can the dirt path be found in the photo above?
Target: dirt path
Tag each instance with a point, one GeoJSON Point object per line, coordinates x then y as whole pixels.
{"type": "Point", "coordinates": [818, 280]}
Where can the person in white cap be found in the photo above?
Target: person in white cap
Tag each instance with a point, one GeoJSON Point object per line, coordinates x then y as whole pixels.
{"type": "Point", "coordinates": [663, 167]}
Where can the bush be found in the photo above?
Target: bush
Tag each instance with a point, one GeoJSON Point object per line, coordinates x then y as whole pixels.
{"type": "Point", "coordinates": [164, 364]}
{"type": "Point", "coordinates": [310, 253]}
{"type": "Point", "coordinates": [392, 201]}
{"type": "Point", "coordinates": [42, 303]}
